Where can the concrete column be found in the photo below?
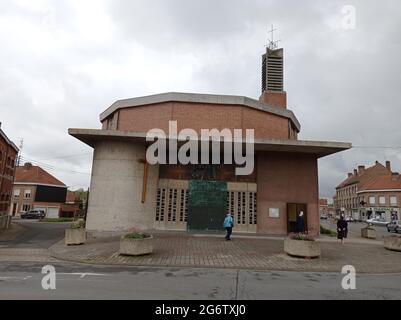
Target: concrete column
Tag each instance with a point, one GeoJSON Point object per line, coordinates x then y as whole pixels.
{"type": "Point", "coordinates": [116, 189]}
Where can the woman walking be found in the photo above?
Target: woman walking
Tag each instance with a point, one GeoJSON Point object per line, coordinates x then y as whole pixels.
{"type": "Point", "coordinates": [342, 229]}
{"type": "Point", "coordinates": [228, 225]}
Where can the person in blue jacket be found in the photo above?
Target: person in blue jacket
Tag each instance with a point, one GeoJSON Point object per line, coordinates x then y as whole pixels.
{"type": "Point", "coordinates": [228, 225]}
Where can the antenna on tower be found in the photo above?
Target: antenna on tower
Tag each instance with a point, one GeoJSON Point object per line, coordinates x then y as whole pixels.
{"type": "Point", "coordinates": [273, 45]}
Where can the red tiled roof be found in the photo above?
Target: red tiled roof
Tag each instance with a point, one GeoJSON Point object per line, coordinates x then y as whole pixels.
{"type": "Point", "coordinates": [386, 182]}
{"type": "Point", "coordinates": [365, 176]}
{"type": "Point", "coordinates": [323, 202]}
{"type": "Point", "coordinates": [35, 174]}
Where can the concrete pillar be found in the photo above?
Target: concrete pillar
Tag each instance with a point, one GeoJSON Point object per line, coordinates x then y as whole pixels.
{"type": "Point", "coordinates": [116, 189]}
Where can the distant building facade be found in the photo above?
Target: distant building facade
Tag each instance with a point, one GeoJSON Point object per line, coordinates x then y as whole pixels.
{"type": "Point", "coordinates": [71, 207]}
{"type": "Point", "coordinates": [8, 155]}
{"type": "Point", "coordinates": [369, 192]}
{"type": "Point", "coordinates": [323, 207]}
{"type": "Point", "coordinates": [35, 188]}
{"type": "Point", "coordinates": [381, 198]}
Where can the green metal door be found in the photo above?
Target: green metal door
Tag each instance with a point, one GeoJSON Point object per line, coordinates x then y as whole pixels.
{"type": "Point", "coordinates": [207, 205]}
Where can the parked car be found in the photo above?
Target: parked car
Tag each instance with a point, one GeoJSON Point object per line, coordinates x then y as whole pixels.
{"type": "Point", "coordinates": [378, 222]}
{"type": "Point", "coordinates": [394, 226]}
{"type": "Point", "coordinates": [323, 216]}
{"type": "Point", "coordinates": [349, 219]}
{"type": "Point", "coordinates": [33, 214]}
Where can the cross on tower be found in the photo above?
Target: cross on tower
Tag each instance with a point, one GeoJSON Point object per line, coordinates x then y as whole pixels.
{"type": "Point", "coordinates": [272, 44]}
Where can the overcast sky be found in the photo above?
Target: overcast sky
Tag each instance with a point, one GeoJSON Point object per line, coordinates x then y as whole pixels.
{"type": "Point", "coordinates": [64, 62]}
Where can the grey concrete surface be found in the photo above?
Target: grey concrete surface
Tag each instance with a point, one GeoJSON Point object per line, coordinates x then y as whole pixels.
{"type": "Point", "coordinates": [23, 281]}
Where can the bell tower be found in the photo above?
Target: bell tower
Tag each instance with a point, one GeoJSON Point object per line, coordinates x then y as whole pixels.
{"type": "Point", "coordinates": [273, 75]}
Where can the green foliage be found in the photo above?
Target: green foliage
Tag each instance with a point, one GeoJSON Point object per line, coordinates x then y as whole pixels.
{"type": "Point", "coordinates": [78, 224]}
{"type": "Point", "coordinates": [327, 232]}
{"type": "Point", "coordinates": [301, 237]}
{"type": "Point", "coordinates": [137, 235]}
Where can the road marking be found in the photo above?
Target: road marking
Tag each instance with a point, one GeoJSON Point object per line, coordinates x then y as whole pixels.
{"type": "Point", "coordinates": [83, 275]}
{"type": "Point", "coordinates": [16, 278]}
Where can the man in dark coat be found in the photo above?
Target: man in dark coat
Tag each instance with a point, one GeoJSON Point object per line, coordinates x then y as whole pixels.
{"type": "Point", "coordinates": [301, 223]}
{"type": "Point", "coordinates": [342, 229]}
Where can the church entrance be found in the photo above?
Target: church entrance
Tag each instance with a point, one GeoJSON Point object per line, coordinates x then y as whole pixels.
{"type": "Point", "coordinates": [207, 205]}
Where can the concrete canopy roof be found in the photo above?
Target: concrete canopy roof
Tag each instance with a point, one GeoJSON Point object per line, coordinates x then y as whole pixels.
{"type": "Point", "coordinates": [200, 98]}
{"type": "Point", "coordinates": [319, 148]}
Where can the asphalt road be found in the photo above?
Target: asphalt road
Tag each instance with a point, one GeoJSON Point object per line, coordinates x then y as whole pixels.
{"type": "Point", "coordinates": [73, 281]}
{"type": "Point", "coordinates": [36, 235]}
{"type": "Point", "coordinates": [22, 280]}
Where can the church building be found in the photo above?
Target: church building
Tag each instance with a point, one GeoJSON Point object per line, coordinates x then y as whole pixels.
{"type": "Point", "coordinates": [128, 191]}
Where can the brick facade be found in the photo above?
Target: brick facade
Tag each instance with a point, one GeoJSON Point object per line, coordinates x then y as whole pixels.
{"type": "Point", "coordinates": [355, 195]}
{"type": "Point", "coordinates": [8, 155]}
{"type": "Point", "coordinates": [199, 116]}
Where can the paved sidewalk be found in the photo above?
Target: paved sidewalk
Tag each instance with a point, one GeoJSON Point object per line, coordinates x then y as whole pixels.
{"type": "Point", "coordinates": [25, 255]}
{"type": "Point", "coordinates": [252, 253]}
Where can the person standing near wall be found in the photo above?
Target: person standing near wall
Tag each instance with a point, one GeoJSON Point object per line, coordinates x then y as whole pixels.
{"type": "Point", "coordinates": [301, 222]}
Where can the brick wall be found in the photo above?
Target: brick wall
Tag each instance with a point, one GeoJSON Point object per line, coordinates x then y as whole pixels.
{"type": "Point", "coordinates": [203, 116]}
{"type": "Point", "coordinates": [7, 170]}
{"type": "Point", "coordinates": [284, 178]}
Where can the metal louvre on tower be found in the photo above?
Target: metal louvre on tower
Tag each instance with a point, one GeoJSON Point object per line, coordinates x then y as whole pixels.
{"type": "Point", "coordinates": [273, 70]}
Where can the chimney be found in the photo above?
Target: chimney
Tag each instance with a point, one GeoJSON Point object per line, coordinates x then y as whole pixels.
{"type": "Point", "coordinates": [349, 174]}
{"type": "Point", "coordinates": [388, 165]}
{"type": "Point", "coordinates": [273, 92]}
{"type": "Point", "coordinates": [361, 169]}
{"type": "Point", "coordinates": [27, 165]}
{"type": "Point", "coordinates": [377, 162]}
{"type": "Point", "coordinates": [355, 172]}
{"type": "Point", "coordinates": [395, 176]}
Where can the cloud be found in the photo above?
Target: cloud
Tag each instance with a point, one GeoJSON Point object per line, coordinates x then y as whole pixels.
{"type": "Point", "coordinates": [64, 62]}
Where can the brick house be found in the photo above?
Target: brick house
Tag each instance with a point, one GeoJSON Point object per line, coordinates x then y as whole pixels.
{"type": "Point", "coordinates": [35, 188]}
{"type": "Point", "coordinates": [349, 200]}
{"type": "Point", "coordinates": [381, 198]}
{"type": "Point", "coordinates": [127, 192]}
{"type": "Point", "coordinates": [71, 206]}
{"type": "Point", "coordinates": [8, 155]}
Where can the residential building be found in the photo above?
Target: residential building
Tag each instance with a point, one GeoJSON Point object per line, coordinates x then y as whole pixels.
{"type": "Point", "coordinates": [71, 207]}
{"type": "Point", "coordinates": [128, 192]}
{"type": "Point", "coordinates": [35, 188]}
{"type": "Point", "coordinates": [347, 198]}
{"type": "Point", "coordinates": [381, 198]}
{"type": "Point", "coordinates": [8, 155]}
{"type": "Point", "coordinates": [323, 207]}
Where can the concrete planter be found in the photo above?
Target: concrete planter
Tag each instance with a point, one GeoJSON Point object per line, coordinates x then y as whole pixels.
{"type": "Point", "coordinates": [302, 248]}
{"type": "Point", "coordinates": [136, 247]}
{"type": "Point", "coordinates": [75, 236]}
{"type": "Point", "coordinates": [368, 233]}
{"type": "Point", "coordinates": [393, 243]}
